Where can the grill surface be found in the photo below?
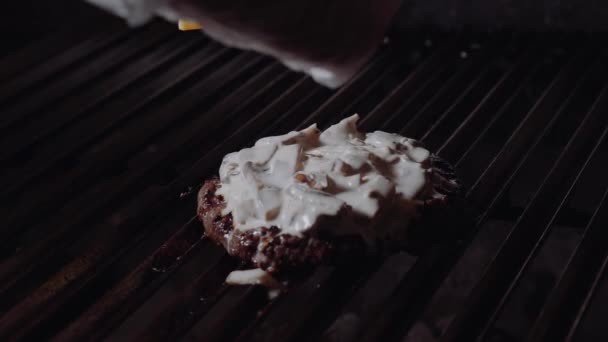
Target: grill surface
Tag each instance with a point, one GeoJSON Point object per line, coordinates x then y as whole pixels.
{"type": "Point", "coordinates": [105, 143]}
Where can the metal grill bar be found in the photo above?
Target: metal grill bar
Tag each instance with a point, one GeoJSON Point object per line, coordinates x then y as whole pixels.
{"type": "Point", "coordinates": [593, 290]}
{"type": "Point", "coordinates": [88, 73]}
{"type": "Point", "coordinates": [407, 88]}
{"type": "Point", "coordinates": [260, 121]}
{"type": "Point", "coordinates": [444, 291]}
{"type": "Point", "coordinates": [117, 111]}
{"type": "Point", "coordinates": [490, 104]}
{"type": "Point", "coordinates": [450, 93]}
{"type": "Point", "coordinates": [34, 53]}
{"type": "Point", "coordinates": [255, 84]}
{"type": "Point", "coordinates": [184, 304]}
{"type": "Point", "coordinates": [523, 133]}
{"type": "Point", "coordinates": [541, 238]}
{"type": "Point", "coordinates": [520, 101]}
{"type": "Point", "coordinates": [319, 289]}
{"type": "Point", "coordinates": [406, 287]}
{"type": "Point", "coordinates": [376, 86]}
{"type": "Point", "coordinates": [523, 234]}
{"type": "Point", "coordinates": [582, 267]}
{"type": "Point", "coordinates": [133, 290]}
{"type": "Point", "coordinates": [150, 35]}
{"type": "Point", "coordinates": [345, 95]}
{"type": "Point", "coordinates": [582, 98]}
{"type": "Point", "coordinates": [41, 245]}
{"type": "Point", "coordinates": [224, 321]}
{"type": "Point", "coordinates": [259, 78]}
{"type": "Point", "coordinates": [195, 302]}
{"type": "Point", "coordinates": [83, 103]}
{"type": "Point", "coordinates": [450, 149]}
{"type": "Point", "coordinates": [435, 135]}
{"type": "Point", "coordinates": [155, 121]}
{"type": "Point", "coordinates": [36, 76]}
{"type": "Point", "coordinates": [423, 96]}
{"type": "Point", "coordinates": [576, 327]}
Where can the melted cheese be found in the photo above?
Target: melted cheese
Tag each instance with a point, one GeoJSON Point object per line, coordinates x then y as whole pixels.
{"type": "Point", "coordinates": [293, 180]}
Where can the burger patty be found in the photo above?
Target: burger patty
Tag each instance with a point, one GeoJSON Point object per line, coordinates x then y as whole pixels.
{"type": "Point", "coordinates": [267, 248]}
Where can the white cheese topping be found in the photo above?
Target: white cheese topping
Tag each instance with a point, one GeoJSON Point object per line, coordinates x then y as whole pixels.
{"type": "Point", "coordinates": [252, 277]}
{"type": "Point", "coordinates": [256, 277]}
{"type": "Point", "coordinates": [293, 180]}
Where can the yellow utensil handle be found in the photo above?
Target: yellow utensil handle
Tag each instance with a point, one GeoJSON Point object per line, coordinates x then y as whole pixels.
{"type": "Point", "coordinates": [185, 25]}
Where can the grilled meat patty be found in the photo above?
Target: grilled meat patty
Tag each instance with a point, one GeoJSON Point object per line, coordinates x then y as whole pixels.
{"type": "Point", "coordinates": [273, 251]}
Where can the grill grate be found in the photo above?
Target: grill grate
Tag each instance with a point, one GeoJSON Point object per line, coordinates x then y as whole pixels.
{"type": "Point", "coordinates": [103, 147]}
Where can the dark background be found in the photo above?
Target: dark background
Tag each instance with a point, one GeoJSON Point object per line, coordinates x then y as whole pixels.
{"type": "Point", "coordinates": [552, 15]}
{"type": "Point", "coordinates": [22, 21]}
{"type": "Point", "coordinates": [25, 20]}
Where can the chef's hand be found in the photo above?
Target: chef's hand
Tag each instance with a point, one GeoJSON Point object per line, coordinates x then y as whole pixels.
{"type": "Point", "coordinates": [328, 39]}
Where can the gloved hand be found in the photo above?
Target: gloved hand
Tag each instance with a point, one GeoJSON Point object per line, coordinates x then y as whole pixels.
{"type": "Point", "coordinates": [327, 39]}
